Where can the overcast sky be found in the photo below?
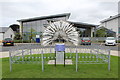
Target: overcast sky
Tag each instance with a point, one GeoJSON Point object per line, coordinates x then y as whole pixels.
{"type": "Point", "coordinates": [87, 11]}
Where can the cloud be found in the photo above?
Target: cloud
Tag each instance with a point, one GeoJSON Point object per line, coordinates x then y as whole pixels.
{"type": "Point", "coordinates": [89, 11]}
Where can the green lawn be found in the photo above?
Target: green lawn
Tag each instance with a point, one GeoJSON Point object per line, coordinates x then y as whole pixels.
{"type": "Point", "coordinates": [84, 71]}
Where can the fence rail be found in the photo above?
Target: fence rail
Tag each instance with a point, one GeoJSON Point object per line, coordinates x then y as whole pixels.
{"type": "Point", "coordinates": [35, 53]}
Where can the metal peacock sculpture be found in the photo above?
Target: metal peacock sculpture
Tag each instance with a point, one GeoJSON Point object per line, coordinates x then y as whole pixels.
{"type": "Point", "coordinates": [60, 30]}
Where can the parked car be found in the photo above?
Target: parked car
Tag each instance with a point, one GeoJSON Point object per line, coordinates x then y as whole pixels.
{"type": "Point", "coordinates": [85, 41]}
{"type": "Point", "coordinates": [110, 41]}
{"type": "Point", "coordinates": [8, 41]}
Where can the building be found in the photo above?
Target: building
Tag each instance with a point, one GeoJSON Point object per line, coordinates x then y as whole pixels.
{"type": "Point", "coordinates": [85, 29]}
{"type": "Point", "coordinates": [2, 31]}
{"type": "Point", "coordinates": [31, 27]}
{"type": "Point", "coordinates": [15, 28]}
{"type": "Point", "coordinates": [112, 23]}
{"type": "Point", "coordinates": [6, 32]}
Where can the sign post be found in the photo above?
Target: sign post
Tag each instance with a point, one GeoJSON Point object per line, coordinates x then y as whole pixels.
{"type": "Point", "coordinates": [60, 54]}
{"type": "Point", "coordinates": [37, 38]}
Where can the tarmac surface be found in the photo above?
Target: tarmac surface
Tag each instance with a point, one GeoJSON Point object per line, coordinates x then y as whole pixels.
{"type": "Point", "coordinates": [6, 53]}
{"type": "Point", "coordinates": [7, 48]}
{"type": "Point", "coordinates": [4, 50]}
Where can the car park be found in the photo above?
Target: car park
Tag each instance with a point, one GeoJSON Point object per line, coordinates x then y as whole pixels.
{"type": "Point", "coordinates": [110, 41]}
{"type": "Point", "coordinates": [85, 41]}
{"type": "Point", "coordinates": [8, 42]}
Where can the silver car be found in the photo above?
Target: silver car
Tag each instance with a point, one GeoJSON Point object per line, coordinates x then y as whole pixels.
{"type": "Point", "coordinates": [110, 41]}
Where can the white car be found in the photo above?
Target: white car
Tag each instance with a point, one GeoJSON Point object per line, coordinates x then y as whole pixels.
{"type": "Point", "coordinates": [110, 41]}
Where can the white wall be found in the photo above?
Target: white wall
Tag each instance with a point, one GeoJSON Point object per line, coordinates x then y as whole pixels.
{"type": "Point", "coordinates": [112, 25]}
{"type": "Point", "coordinates": [9, 34]}
{"type": "Point", "coordinates": [1, 37]}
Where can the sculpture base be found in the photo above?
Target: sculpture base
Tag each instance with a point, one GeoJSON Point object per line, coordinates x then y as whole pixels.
{"type": "Point", "coordinates": [67, 62]}
{"type": "Point", "coordinates": [60, 57]}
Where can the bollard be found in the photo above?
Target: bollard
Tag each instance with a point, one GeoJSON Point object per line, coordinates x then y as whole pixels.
{"type": "Point", "coordinates": [76, 60]}
{"type": "Point", "coordinates": [10, 60]}
{"type": "Point", "coordinates": [109, 60]}
{"type": "Point", "coordinates": [42, 57]}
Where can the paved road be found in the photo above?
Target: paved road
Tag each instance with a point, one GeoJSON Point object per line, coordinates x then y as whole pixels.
{"type": "Point", "coordinates": [7, 48]}
{"type": "Point", "coordinates": [117, 47]}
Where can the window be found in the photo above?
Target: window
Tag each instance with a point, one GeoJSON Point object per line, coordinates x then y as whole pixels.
{"type": "Point", "coordinates": [11, 36]}
{"type": "Point", "coordinates": [119, 30]}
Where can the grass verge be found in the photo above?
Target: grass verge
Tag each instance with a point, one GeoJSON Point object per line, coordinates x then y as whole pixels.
{"type": "Point", "coordinates": [84, 70]}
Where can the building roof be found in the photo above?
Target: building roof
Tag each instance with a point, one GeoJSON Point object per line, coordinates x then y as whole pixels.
{"type": "Point", "coordinates": [15, 27]}
{"type": "Point", "coordinates": [44, 17]}
{"type": "Point", "coordinates": [83, 24]}
{"type": "Point", "coordinates": [3, 29]}
{"type": "Point", "coordinates": [110, 18]}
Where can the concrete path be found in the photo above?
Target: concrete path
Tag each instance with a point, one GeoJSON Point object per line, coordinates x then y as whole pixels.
{"type": "Point", "coordinates": [6, 54]}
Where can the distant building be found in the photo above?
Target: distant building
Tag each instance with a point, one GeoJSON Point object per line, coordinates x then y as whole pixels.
{"type": "Point", "coordinates": [9, 34]}
{"type": "Point", "coordinates": [35, 26]}
{"type": "Point", "coordinates": [6, 32]}
{"type": "Point", "coordinates": [2, 31]}
{"type": "Point", "coordinates": [15, 28]}
{"type": "Point", "coordinates": [112, 23]}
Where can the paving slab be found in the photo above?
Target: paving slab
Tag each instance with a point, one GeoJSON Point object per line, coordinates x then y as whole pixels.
{"type": "Point", "coordinates": [67, 61]}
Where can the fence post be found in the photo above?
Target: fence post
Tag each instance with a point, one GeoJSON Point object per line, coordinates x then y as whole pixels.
{"type": "Point", "coordinates": [109, 60]}
{"type": "Point", "coordinates": [10, 60]}
{"type": "Point", "coordinates": [76, 60]}
{"type": "Point", "coordinates": [50, 52]}
{"type": "Point", "coordinates": [22, 55]}
{"type": "Point", "coordinates": [42, 57]}
{"type": "Point", "coordinates": [50, 49]}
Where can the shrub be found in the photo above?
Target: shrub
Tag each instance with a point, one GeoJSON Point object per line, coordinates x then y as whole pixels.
{"type": "Point", "coordinates": [26, 41]}
{"type": "Point", "coordinates": [17, 41]}
{"type": "Point", "coordinates": [17, 36]}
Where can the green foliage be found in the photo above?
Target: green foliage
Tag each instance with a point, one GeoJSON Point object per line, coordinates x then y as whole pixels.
{"type": "Point", "coordinates": [26, 41]}
{"type": "Point", "coordinates": [104, 32]}
{"type": "Point", "coordinates": [17, 41]}
{"type": "Point", "coordinates": [101, 32]}
{"type": "Point", "coordinates": [118, 41]}
{"type": "Point", "coordinates": [17, 36]}
{"type": "Point", "coordinates": [110, 35]}
{"type": "Point", "coordinates": [32, 34]}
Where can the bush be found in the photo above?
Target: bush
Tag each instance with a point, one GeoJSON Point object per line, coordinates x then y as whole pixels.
{"type": "Point", "coordinates": [118, 41]}
{"type": "Point", "coordinates": [17, 36]}
{"type": "Point", "coordinates": [101, 41]}
{"type": "Point", "coordinates": [20, 41]}
{"type": "Point", "coordinates": [17, 41]}
{"type": "Point", "coordinates": [26, 41]}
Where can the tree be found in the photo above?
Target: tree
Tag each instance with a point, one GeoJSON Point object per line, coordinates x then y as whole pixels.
{"type": "Point", "coordinates": [32, 34]}
{"type": "Point", "coordinates": [101, 32]}
{"type": "Point", "coordinates": [104, 32]}
{"type": "Point", "coordinates": [17, 36]}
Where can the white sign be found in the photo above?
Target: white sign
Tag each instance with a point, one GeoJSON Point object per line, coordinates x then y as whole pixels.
{"type": "Point", "coordinates": [37, 36]}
